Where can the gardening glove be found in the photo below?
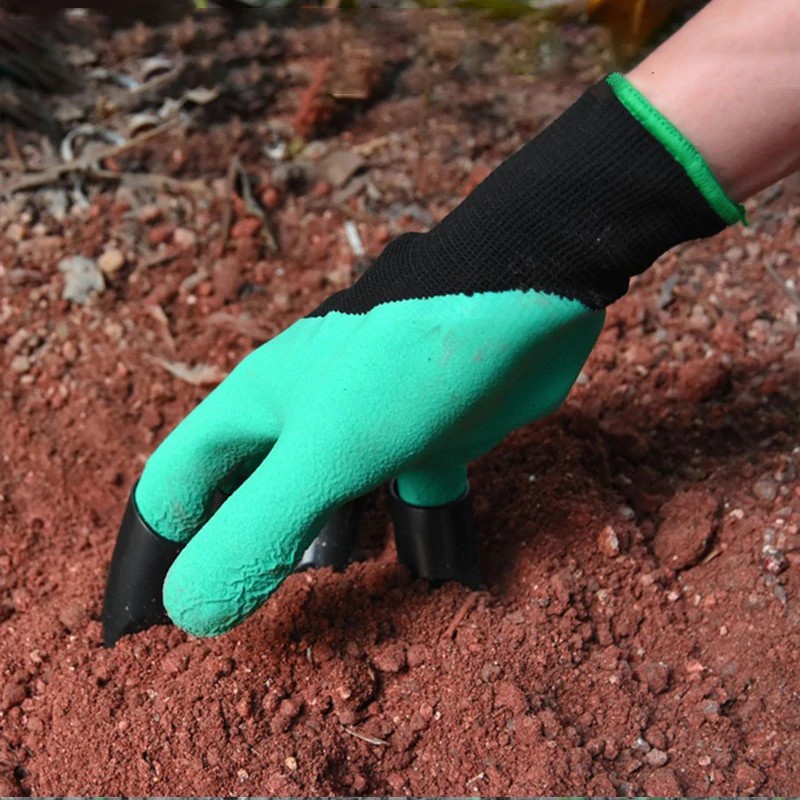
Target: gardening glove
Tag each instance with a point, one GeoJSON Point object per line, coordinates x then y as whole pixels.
{"type": "Point", "coordinates": [452, 339]}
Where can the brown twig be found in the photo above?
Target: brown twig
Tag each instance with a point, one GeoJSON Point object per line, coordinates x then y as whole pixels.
{"type": "Point", "coordinates": [236, 170]}
{"type": "Point", "coordinates": [13, 149]}
{"type": "Point", "coordinates": [711, 556]}
{"type": "Point", "coordinates": [159, 315]}
{"type": "Point", "coordinates": [787, 290]}
{"type": "Point", "coordinates": [83, 164]}
{"type": "Point", "coordinates": [227, 211]}
{"type": "Point", "coordinates": [163, 182]}
{"type": "Point", "coordinates": [365, 738]}
{"type": "Point", "coordinates": [462, 612]}
{"type": "Point", "coordinates": [160, 258]}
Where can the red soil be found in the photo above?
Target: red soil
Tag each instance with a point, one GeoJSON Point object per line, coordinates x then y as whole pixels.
{"type": "Point", "coordinates": [640, 628]}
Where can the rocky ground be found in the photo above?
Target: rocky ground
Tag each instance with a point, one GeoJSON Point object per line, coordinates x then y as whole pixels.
{"type": "Point", "coordinates": [639, 629]}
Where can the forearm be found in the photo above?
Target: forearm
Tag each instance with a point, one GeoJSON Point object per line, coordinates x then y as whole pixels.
{"type": "Point", "coordinates": [729, 80]}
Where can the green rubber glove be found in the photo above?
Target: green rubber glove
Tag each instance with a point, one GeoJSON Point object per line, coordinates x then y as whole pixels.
{"type": "Point", "coordinates": [450, 341]}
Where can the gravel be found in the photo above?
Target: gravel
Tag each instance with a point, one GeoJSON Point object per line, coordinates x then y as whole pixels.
{"type": "Point", "coordinates": [82, 277]}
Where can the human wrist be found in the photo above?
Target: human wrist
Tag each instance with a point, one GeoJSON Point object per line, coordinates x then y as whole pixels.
{"type": "Point", "coordinates": [727, 80]}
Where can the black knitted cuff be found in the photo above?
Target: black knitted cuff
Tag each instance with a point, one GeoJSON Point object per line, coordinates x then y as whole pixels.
{"type": "Point", "coordinates": [591, 201]}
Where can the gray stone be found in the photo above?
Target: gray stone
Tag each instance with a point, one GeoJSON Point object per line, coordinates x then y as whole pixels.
{"type": "Point", "coordinates": [81, 277]}
{"type": "Point", "coordinates": [765, 489]}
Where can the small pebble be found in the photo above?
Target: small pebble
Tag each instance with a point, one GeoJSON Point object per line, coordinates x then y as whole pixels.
{"type": "Point", "coordinates": [656, 757]}
{"type": "Point", "coordinates": [17, 340]}
{"type": "Point", "coordinates": [81, 278]}
{"type": "Point", "coordinates": [16, 232]}
{"type": "Point", "coordinates": [20, 364]}
{"type": "Point", "coordinates": [282, 301]}
{"type": "Point", "coordinates": [184, 238]}
{"type": "Point", "coordinates": [710, 708]}
{"type": "Point", "coordinates": [734, 254]}
{"type": "Point", "coordinates": [773, 560]}
{"type": "Point", "coordinates": [611, 749]}
{"type": "Point", "coordinates": [765, 489]}
{"type": "Point", "coordinates": [289, 709]}
{"type": "Point", "coordinates": [111, 261]}
{"type": "Point", "coordinates": [70, 351]}
{"type": "Point", "coordinates": [397, 782]}
{"type": "Point", "coordinates": [608, 542]}
{"type": "Point", "coordinates": [753, 249]}
{"type": "Point", "coordinates": [627, 513]}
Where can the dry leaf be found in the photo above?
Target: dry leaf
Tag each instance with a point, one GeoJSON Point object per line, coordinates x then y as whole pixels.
{"type": "Point", "coordinates": [197, 375]}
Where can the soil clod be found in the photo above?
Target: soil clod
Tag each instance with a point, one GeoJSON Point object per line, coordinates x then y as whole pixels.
{"type": "Point", "coordinates": [688, 524]}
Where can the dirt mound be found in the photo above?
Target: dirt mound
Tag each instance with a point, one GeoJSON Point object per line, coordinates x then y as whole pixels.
{"type": "Point", "coordinates": [639, 630]}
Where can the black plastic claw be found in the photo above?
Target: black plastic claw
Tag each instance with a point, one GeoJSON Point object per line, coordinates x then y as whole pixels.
{"type": "Point", "coordinates": [436, 543]}
{"type": "Point", "coordinates": [335, 542]}
{"type": "Point", "coordinates": [139, 565]}
{"type": "Point", "coordinates": [133, 599]}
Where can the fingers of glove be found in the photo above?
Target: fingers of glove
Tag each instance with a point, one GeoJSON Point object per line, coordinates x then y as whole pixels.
{"type": "Point", "coordinates": [250, 545]}
{"type": "Point", "coordinates": [215, 447]}
{"type": "Point", "coordinates": [432, 486]}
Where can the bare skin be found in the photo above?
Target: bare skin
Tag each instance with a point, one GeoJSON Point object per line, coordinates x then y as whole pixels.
{"type": "Point", "coordinates": [729, 80]}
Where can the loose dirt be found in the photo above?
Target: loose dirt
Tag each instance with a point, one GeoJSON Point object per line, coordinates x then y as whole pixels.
{"type": "Point", "coordinates": [639, 631]}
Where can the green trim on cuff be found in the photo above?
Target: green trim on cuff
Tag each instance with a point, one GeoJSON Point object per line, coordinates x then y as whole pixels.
{"type": "Point", "coordinates": [679, 147]}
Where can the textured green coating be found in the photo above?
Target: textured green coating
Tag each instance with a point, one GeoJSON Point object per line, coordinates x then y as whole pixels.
{"type": "Point", "coordinates": [333, 407]}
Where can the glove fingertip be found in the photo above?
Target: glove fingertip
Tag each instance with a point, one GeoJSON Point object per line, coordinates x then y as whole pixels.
{"type": "Point", "coordinates": [210, 608]}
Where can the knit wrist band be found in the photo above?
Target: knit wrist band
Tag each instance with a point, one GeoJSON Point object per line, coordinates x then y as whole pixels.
{"type": "Point", "coordinates": [681, 149]}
